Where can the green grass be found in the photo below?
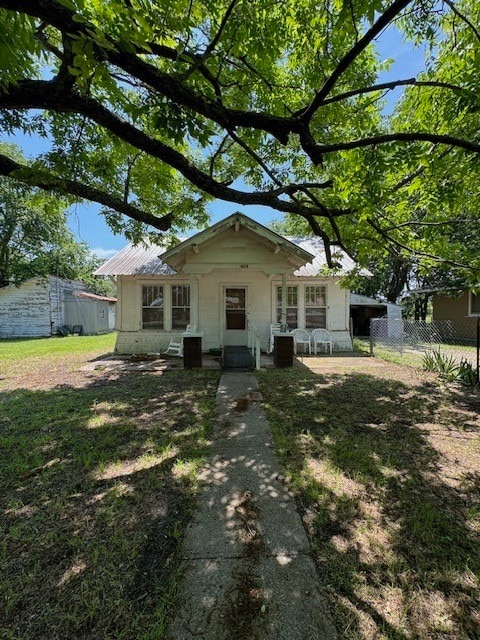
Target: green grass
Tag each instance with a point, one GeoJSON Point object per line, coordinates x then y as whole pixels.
{"type": "Point", "coordinates": [385, 470]}
{"type": "Point", "coordinates": [409, 358]}
{"type": "Point", "coordinates": [17, 350]}
{"type": "Point", "coordinates": [413, 357]}
{"type": "Point", "coordinates": [99, 481]}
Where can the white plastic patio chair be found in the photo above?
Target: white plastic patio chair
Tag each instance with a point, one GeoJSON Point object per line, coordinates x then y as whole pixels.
{"type": "Point", "coordinates": [175, 348]}
{"type": "Point", "coordinates": [301, 337]}
{"type": "Point", "coordinates": [191, 328]}
{"type": "Point", "coordinates": [321, 337]}
{"type": "Point", "coordinates": [275, 327]}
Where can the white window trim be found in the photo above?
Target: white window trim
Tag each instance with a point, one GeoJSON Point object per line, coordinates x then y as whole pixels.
{"type": "Point", "coordinates": [301, 299]}
{"type": "Point", "coordinates": [167, 303]}
{"type": "Point", "coordinates": [471, 313]}
{"type": "Point", "coordinates": [222, 286]}
{"type": "Point", "coordinates": [179, 284]}
{"type": "Point", "coordinates": [315, 284]}
{"type": "Point", "coordinates": [140, 298]}
{"type": "Point", "coordinates": [275, 293]}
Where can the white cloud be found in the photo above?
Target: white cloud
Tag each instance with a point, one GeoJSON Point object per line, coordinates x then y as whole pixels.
{"type": "Point", "coordinates": [104, 253]}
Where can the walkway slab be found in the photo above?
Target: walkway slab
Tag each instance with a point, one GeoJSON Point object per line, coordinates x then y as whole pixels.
{"type": "Point", "coordinates": [249, 575]}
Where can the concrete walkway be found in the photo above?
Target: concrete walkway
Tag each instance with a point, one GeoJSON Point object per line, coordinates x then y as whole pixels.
{"type": "Point", "coordinates": [249, 575]}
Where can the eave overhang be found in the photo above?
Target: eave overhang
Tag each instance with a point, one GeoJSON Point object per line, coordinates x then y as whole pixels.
{"type": "Point", "coordinates": [295, 255]}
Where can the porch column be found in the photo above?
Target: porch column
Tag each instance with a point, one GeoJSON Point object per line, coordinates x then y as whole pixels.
{"type": "Point", "coordinates": [193, 300]}
{"type": "Point", "coordinates": [284, 299]}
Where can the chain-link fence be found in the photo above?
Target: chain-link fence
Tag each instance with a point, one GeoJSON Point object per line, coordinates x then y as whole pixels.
{"type": "Point", "coordinates": [456, 339]}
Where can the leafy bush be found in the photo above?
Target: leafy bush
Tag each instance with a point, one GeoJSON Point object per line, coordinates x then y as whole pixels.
{"type": "Point", "coordinates": [430, 359]}
{"type": "Point", "coordinates": [466, 373]}
{"type": "Point", "coordinates": [446, 366]}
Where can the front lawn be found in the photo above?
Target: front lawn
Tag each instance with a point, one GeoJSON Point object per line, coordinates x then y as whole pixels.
{"type": "Point", "coordinates": [21, 355]}
{"type": "Point", "coordinates": [98, 475]}
{"type": "Point", "coordinates": [385, 464]}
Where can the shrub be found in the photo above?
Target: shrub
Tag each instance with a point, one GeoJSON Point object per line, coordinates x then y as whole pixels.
{"type": "Point", "coordinates": [446, 366]}
{"type": "Point", "coordinates": [466, 373]}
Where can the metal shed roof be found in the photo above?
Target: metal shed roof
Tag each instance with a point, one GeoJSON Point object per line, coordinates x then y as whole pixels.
{"type": "Point", "coordinates": [360, 300]}
{"type": "Point", "coordinates": [93, 296]}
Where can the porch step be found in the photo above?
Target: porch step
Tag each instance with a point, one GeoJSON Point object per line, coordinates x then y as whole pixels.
{"type": "Point", "coordinates": [237, 358]}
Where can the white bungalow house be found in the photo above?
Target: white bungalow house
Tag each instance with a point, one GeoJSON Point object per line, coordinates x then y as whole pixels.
{"type": "Point", "coordinates": [234, 273]}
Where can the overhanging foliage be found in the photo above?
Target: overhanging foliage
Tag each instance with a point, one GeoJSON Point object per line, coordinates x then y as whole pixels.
{"type": "Point", "coordinates": [155, 109]}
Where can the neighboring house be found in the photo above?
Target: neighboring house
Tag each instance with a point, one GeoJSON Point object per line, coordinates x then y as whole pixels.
{"type": "Point", "coordinates": [40, 306]}
{"type": "Point", "coordinates": [363, 309]}
{"type": "Point", "coordinates": [235, 272]}
{"type": "Point", "coordinates": [461, 308]}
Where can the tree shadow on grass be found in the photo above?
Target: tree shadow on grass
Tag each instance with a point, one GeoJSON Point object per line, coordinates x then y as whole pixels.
{"type": "Point", "coordinates": [388, 489]}
{"type": "Point", "coordinates": [99, 485]}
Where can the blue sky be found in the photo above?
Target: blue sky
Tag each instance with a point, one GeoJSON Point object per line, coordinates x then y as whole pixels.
{"type": "Point", "coordinates": [89, 226]}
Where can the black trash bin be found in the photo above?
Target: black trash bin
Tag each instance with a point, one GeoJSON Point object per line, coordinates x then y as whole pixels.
{"type": "Point", "coordinates": [283, 350]}
{"type": "Point", "coordinates": [192, 351]}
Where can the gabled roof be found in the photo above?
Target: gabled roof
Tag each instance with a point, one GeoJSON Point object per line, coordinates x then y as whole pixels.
{"type": "Point", "coordinates": [307, 253]}
{"type": "Point", "coordinates": [237, 220]}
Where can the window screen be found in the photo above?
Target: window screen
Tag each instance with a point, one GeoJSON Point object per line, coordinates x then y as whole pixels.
{"type": "Point", "coordinates": [152, 307]}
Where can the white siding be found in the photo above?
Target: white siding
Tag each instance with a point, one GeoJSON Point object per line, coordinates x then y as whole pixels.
{"type": "Point", "coordinates": [36, 308]}
{"type": "Point", "coordinates": [25, 310]}
{"type": "Point", "coordinates": [261, 308]}
{"type": "Point", "coordinates": [230, 259]}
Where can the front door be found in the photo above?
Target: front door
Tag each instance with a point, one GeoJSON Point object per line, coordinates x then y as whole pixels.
{"type": "Point", "coordinates": [235, 318]}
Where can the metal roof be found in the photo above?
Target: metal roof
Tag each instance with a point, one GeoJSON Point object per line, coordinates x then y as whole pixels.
{"type": "Point", "coordinates": [144, 259]}
{"type": "Point", "coordinates": [314, 245]}
{"type": "Point", "coordinates": [360, 300]}
{"type": "Point", "coordinates": [93, 296]}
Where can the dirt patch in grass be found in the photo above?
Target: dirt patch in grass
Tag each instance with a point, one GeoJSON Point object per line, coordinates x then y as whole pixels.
{"type": "Point", "coordinates": [385, 463]}
{"type": "Point", "coordinates": [99, 479]}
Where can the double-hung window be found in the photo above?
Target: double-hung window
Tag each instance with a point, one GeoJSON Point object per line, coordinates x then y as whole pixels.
{"type": "Point", "coordinates": [315, 307]}
{"type": "Point", "coordinates": [180, 306]}
{"type": "Point", "coordinates": [152, 307]}
{"type": "Point", "coordinates": [292, 306]}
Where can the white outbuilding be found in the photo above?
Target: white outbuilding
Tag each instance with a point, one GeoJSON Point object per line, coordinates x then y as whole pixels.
{"type": "Point", "coordinates": [45, 306]}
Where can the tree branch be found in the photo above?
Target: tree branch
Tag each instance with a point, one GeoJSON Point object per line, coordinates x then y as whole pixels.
{"type": "Point", "coordinates": [383, 21]}
{"type": "Point", "coordinates": [167, 85]}
{"type": "Point", "coordinates": [41, 94]}
{"type": "Point", "coordinates": [414, 174]}
{"type": "Point", "coordinates": [319, 150]}
{"type": "Point", "coordinates": [452, 6]}
{"type": "Point", "coordinates": [49, 182]}
{"type": "Point", "coordinates": [211, 47]}
{"type": "Point", "coordinates": [392, 85]}
{"type": "Point", "coordinates": [423, 254]}
{"type": "Point", "coordinates": [258, 160]}
{"type": "Point", "coordinates": [291, 188]}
